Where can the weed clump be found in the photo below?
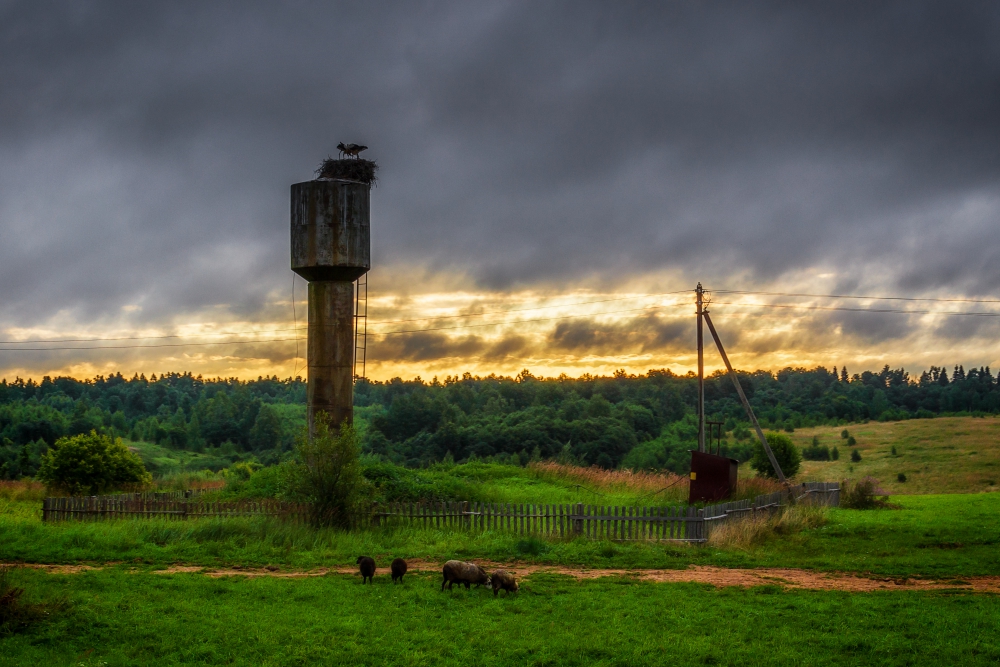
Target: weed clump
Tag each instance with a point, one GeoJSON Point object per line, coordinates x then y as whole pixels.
{"type": "Point", "coordinates": [16, 613]}
{"type": "Point", "coordinates": [754, 530]}
{"type": "Point", "coordinates": [865, 494]}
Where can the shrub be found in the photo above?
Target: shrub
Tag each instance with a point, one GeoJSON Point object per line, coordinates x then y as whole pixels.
{"type": "Point", "coordinates": [844, 434]}
{"type": "Point", "coordinates": [864, 494]}
{"type": "Point", "coordinates": [901, 477]}
{"type": "Point", "coordinates": [893, 450]}
{"type": "Point", "coordinates": [834, 454]}
{"type": "Point", "coordinates": [816, 452]}
{"type": "Point", "coordinates": [327, 474]}
{"type": "Point", "coordinates": [851, 441]}
{"type": "Point", "coordinates": [855, 456]}
{"type": "Point", "coordinates": [785, 451]}
{"type": "Point", "coordinates": [92, 464]}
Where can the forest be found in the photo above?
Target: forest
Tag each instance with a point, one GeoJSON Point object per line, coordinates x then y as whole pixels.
{"type": "Point", "coordinates": [631, 421]}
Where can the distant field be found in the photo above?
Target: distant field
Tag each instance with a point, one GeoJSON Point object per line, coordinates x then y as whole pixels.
{"type": "Point", "coordinates": [943, 455]}
{"type": "Point", "coordinates": [165, 461]}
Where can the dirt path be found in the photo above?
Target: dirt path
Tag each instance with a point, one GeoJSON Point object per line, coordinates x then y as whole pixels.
{"type": "Point", "coordinates": [716, 576]}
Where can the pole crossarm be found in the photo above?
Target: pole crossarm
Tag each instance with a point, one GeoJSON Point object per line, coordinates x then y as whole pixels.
{"type": "Point", "coordinates": [743, 398]}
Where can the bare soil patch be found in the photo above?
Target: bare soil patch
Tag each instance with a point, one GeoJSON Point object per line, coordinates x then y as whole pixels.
{"type": "Point", "coordinates": [789, 578]}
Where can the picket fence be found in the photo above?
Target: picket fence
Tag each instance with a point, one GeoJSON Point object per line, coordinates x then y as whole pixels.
{"type": "Point", "coordinates": [685, 523]}
{"type": "Point", "coordinates": [175, 505]}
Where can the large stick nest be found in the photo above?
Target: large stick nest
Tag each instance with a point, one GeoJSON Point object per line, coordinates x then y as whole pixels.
{"type": "Point", "coordinates": [350, 169]}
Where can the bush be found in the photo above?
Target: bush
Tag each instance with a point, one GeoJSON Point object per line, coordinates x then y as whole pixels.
{"type": "Point", "coordinates": [893, 450]}
{"type": "Point", "coordinates": [855, 456]}
{"type": "Point", "coordinates": [92, 464]}
{"type": "Point", "coordinates": [851, 441]}
{"type": "Point", "coordinates": [844, 434]}
{"type": "Point", "coordinates": [328, 475]}
{"type": "Point", "coordinates": [785, 451]}
{"type": "Point", "coordinates": [901, 477]}
{"type": "Point", "coordinates": [834, 454]}
{"type": "Point", "coordinates": [816, 452]}
{"type": "Point", "coordinates": [864, 495]}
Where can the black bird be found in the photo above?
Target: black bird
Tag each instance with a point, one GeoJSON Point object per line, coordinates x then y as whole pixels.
{"type": "Point", "coordinates": [350, 149]}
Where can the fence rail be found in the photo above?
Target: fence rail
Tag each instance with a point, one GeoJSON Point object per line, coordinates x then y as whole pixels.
{"type": "Point", "coordinates": [685, 523]}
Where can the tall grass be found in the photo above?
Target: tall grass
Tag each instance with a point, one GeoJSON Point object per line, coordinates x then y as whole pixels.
{"type": "Point", "coordinates": [643, 485]}
{"type": "Point", "coordinates": [757, 529]}
{"type": "Point", "coordinates": [22, 490]}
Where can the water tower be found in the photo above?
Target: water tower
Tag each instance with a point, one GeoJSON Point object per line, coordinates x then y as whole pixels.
{"type": "Point", "coordinates": [331, 248]}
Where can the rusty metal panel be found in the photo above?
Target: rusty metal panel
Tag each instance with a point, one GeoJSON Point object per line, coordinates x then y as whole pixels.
{"type": "Point", "coordinates": [331, 229]}
{"type": "Point", "coordinates": [712, 477]}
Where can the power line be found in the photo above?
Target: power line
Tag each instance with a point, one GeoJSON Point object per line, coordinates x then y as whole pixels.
{"type": "Point", "coordinates": [856, 296]}
{"type": "Point", "coordinates": [860, 310]}
{"type": "Point", "coordinates": [297, 328]}
{"type": "Point", "coordinates": [125, 347]}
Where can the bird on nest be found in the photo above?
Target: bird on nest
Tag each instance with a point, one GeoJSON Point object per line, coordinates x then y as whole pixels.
{"type": "Point", "coordinates": [350, 149]}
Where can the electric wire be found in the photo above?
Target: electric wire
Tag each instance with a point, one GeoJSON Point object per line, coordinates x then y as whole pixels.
{"type": "Point", "coordinates": [856, 296]}
{"type": "Point", "coordinates": [297, 328]}
{"type": "Point", "coordinates": [862, 310]}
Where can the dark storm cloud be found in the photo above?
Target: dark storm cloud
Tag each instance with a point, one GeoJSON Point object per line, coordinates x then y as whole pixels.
{"type": "Point", "coordinates": [146, 149]}
{"type": "Point", "coordinates": [642, 334]}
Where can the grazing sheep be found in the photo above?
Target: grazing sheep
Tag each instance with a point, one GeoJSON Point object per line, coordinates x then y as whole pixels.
{"type": "Point", "coordinates": [367, 568]}
{"type": "Point", "coordinates": [505, 580]}
{"type": "Point", "coordinates": [398, 568]}
{"type": "Point", "coordinates": [457, 572]}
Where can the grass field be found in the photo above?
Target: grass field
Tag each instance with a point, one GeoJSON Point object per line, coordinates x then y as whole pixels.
{"type": "Point", "coordinates": [120, 618]}
{"type": "Point", "coordinates": [944, 455]}
{"type": "Point", "coordinates": [931, 536]}
{"type": "Point", "coordinates": [125, 614]}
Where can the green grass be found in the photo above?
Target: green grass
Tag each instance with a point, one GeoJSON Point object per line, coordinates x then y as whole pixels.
{"type": "Point", "coordinates": [943, 455]}
{"type": "Point", "coordinates": [119, 618]}
{"type": "Point", "coordinates": [166, 461]}
{"type": "Point", "coordinates": [953, 535]}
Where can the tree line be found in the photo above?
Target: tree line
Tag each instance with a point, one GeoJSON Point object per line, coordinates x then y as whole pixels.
{"type": "Point", "coordinates": [639, 421]}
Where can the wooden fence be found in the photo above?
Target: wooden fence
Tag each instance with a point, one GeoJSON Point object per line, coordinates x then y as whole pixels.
{"type": "Point", "coordinates": [180, 505]}
{"type": "Point", "coordinates": [685, 523]}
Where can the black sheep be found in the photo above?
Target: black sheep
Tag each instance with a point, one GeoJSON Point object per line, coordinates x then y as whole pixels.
{"type": "Point", "coordinates": [505, 580]}
{"type": "Point", "coordinates": [457, 572]}
{"type": "Point", "coordinates": [367, 568]}
{"type": "Point", "coordinates": [398, 568]}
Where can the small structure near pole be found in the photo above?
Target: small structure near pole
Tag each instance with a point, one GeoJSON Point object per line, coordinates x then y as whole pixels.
{"type": "Point", "coordinates": [331, 248]}
{"type": "Point", "coordinates": [713, 477]}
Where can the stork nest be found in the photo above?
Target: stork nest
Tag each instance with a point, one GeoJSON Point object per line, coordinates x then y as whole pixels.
{"type": "Point", "coordinates": [350, 169]}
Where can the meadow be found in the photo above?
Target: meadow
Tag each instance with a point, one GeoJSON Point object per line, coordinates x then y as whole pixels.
{"type": "Point", "coordinates": [121, 618]}
{"type": "Point", "coordinates": [941, 455]}
{"type": "Point", "coordinates": [126, 613]}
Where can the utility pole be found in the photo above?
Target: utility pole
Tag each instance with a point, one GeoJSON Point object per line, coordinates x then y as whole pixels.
{"type": "Point", "coordinates": [699, 294]}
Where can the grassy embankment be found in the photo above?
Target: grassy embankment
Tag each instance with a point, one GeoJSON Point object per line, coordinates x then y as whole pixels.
{"type": "Point", "coordinates": [943, 455]}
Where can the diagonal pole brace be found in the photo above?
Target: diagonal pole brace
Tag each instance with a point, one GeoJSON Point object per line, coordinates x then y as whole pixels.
{"type": "Point", "coordinates": [743, 399]}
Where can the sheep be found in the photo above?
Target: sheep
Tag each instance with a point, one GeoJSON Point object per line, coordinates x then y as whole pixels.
{"type": "Point", "coordinates": [398, 568]}
{"type": "Point", "coordinates": [367, 568]}
{"type": "Point", "coordinates": [455, 571]}
{"type": "Point", "coordinates": [505, 580]}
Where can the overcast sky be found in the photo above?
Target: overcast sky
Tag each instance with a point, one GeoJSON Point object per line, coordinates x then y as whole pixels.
{"type": "Point", "coordinates": [528, 150]}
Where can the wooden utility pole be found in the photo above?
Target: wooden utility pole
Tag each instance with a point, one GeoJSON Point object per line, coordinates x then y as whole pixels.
{"type": "Point", "coordinates": [699, 294]}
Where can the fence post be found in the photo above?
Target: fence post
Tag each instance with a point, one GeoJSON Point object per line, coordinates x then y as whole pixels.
{"type": "Point", "coordinates": [578, 520]}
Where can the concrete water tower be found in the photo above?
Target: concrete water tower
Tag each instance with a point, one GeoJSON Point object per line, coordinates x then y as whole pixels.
{"type": "Point", "coordinates": [331, 248]}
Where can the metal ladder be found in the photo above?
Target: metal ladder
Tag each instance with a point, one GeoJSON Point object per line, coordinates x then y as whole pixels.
{"type": "Point", "coordinates": [360, 326]}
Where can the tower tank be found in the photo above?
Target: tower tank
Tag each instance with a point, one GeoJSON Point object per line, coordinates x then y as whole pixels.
{"type": "Point", "coordinates": [331, 248]}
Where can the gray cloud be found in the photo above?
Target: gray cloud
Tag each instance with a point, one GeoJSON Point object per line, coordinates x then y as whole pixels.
{"type": "Point", "coordinates": [146, 150]}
